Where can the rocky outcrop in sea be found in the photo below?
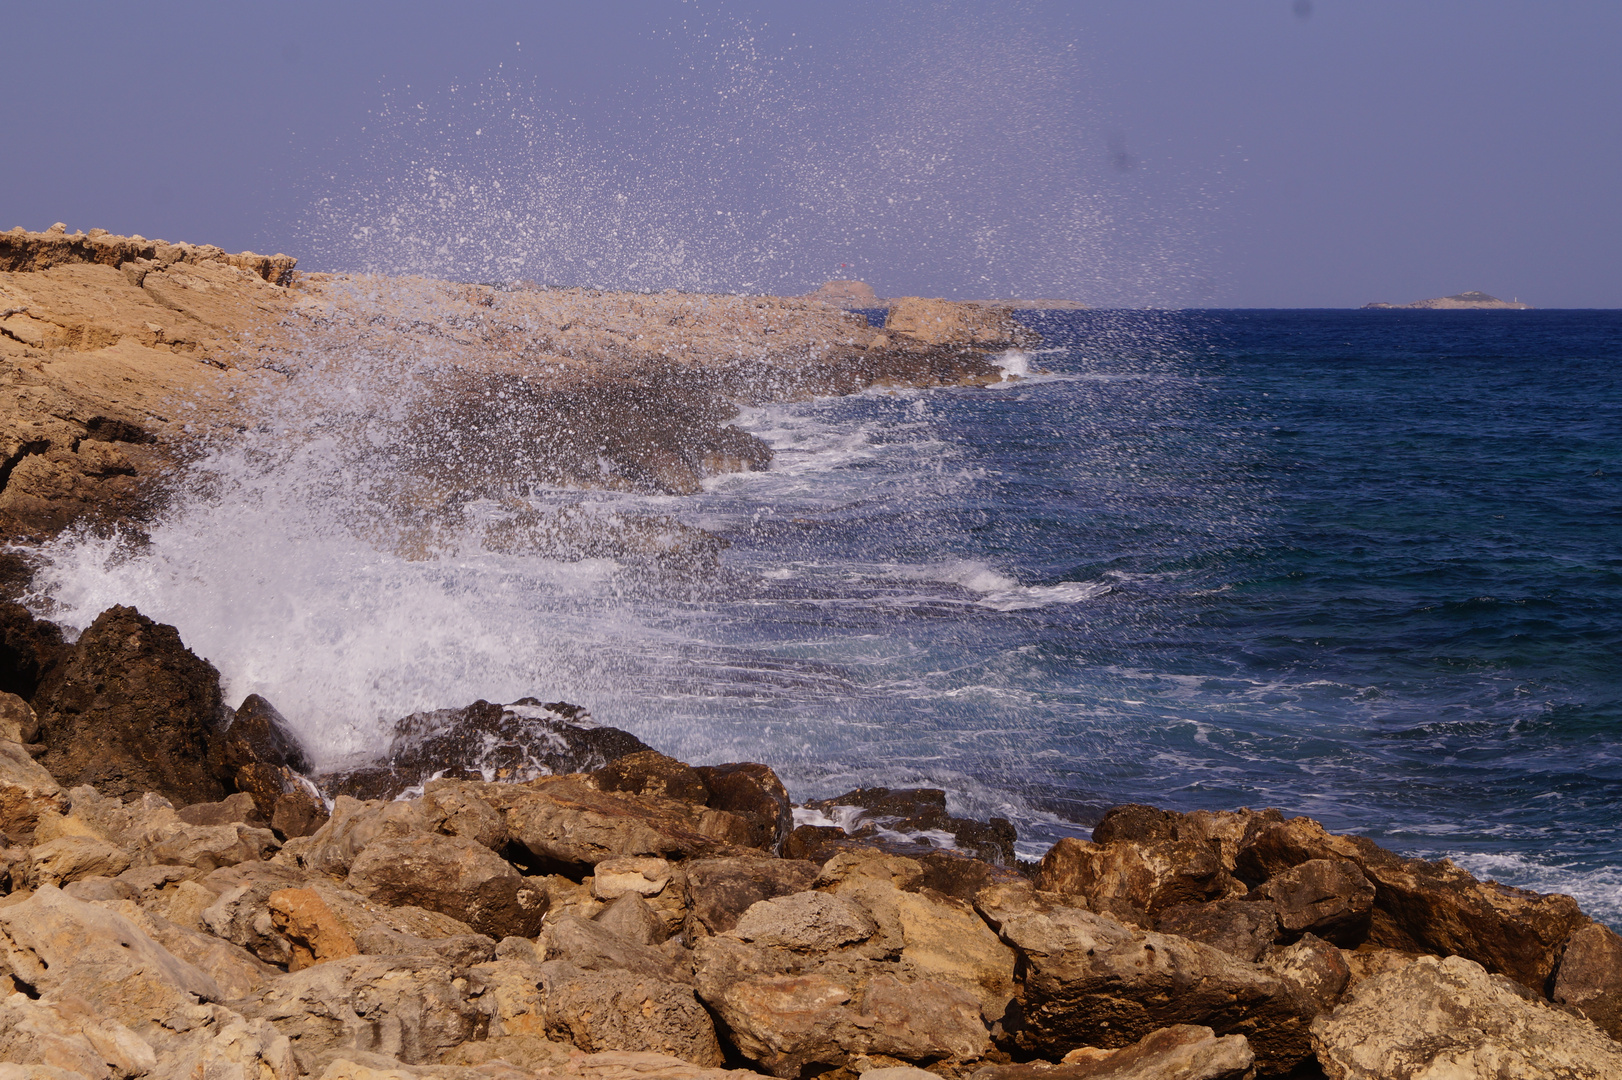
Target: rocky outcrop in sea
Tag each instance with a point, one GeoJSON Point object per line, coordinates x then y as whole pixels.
{"type": "Point", "coordinates": [516, 891]}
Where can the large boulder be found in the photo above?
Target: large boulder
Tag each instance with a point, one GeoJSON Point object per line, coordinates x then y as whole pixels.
{"type": "Point", "coordinates": [1327, 897]}
{"type": "Point", "coordinates": [1137, 880]}
{"type": "Point", "coordinates": [721, 890]}
{"type": "Point", "coordinates": [1447, 1017]}
{"type": "Point", "coordinates": [453, 875]}
{"type": "Point", "coordinates": [1089, 979]}
{"type": "Point", "coordinates": [590, 946]}
{"type": "Point", "coordinates": [27, 790]}
{"type": "Point", "coordinates": [617, 1010]}
{"type": "Point", "coordinates": [1180, 1052]}
{"type": "Point", "coordinates": [1236, 925]}
{"type": "Point", "coordinates": [130, 709]}
{"type": "Point", "coordinates": [754, 793]}
{"type": "Point", "coordinates": [566, 820]}
{"type": "Point", "coordinates": [1589, 978]}
{"type": "Point", "coordinates": [29, 649]}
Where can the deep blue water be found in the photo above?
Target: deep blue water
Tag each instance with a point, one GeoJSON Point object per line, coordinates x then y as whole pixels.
{"type": "Point", "coordinates": [1361, 565]}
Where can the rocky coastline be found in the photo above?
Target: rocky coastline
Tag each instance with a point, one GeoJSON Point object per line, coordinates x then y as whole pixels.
{"type": "Point", "coordinates": [515, 890]}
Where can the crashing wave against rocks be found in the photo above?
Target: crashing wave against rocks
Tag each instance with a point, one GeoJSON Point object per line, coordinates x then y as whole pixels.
{"type": "Point", "coordinates": [188, 894]}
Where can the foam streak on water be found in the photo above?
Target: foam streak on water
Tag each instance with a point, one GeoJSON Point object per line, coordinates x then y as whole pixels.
{"type": "Point", "coordinates": [1355, 565]}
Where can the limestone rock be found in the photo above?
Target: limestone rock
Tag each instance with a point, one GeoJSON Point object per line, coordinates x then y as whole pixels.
{"type": "Point", "coordinates": [64, 1040]}
{"type": "Point", "coordinates": [27, 789]}
{"type": "Point", "coordinates": [512, 995]}
{"type": "Point", "coordinates": [613, 878]}
{"type": "Point", "coordinates": [632, 919]}
{"type": "Point", "coordinates": [236, 971]}
{"type": "Point", "coordinates": [1090, 979]}
{"type": "Point", "coordinates": [332, 848]}
{"type": "Point", "coordinates": [1327, 897]}
{"type": "Point", "coordinates": [805, 922]}
{"type": "Point", "coordinates": [131, 709]}
{"type": "Point", "coordinates": [649, 772]}
{"type": "Point", "coordinates": [754, 793]}
{"type": "Point", "coordinates": [69, 858]}
{"type": "Point", "coordinates": [940, 321]}
{"type": "Point", "coordinates": [310, 927]}
{"type": "Point", "coordinates": [1240, 927]}
{"type": "Point", "coordinates": [242, 916]}
{"type": "Point", "coordinates": [412, 1008]}
{"type": "Point", "coordinates": [232, 810]}
{"type": "Point", "coordinates": [1589, 978]}
{"type": "Point", "coordinates": [721, 890]}
{"type": "Point", "coordinates": [624, 1011]}
{"type": "Point", "coordinates": [1180, 1052]}
{"type": "Point", "coordinates": [1316, 968]}
{"type": "Point", "coordinates": [588, 946]}
{"type": "Point", "coordinates": [1136, 880]}
{"type": "Point", "coordinates": [453, 875]}
{"type": "Point", "coordinates": [1446, 1017]}
{"type": "Point", "coordinates": [564, 819]}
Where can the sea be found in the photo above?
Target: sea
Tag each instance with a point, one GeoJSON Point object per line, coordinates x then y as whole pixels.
{"type": "Point", "coordinates": [1360, 565]}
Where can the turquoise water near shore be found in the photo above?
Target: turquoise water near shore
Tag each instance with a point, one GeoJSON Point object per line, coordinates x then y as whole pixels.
{"type": "Point", "coordinates": [1365, 566]}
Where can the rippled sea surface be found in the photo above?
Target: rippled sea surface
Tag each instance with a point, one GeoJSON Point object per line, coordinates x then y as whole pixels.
{"type": "Point", "coordinates": [1365, 566]}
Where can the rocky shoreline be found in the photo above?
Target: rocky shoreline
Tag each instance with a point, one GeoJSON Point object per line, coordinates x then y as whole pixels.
{"type": "Point", "coordinates": [516, 891]}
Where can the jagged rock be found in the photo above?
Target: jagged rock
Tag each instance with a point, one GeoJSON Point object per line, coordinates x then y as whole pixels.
{"type": "Point", "coordinates": [805, 922]}
{"type": "Point", "coordinates": [453, 875]}
{"type": "Point", "coordinates": [298, 812]}
{"type": "Point", "coordinates": [130, 709]}
{"type": "Point", "coordinates": [721, 890]}
{"type": "Point", "coordinates": [242, 916]}
{"type": "Point", "coordinates": [63, 1040]}
{"type": "Point", "coordinates": [414, 1008]}
{"type": "Point", "coordinates": [955, 874]}
{"type": "Point", "coordinates": [233, 809]}
{"type": "Point", "coordinates": [631, 919]}
{"type": "Point", "coordinates": [29, 649]}
{"type": "Point", "coordinates": [589, 946]}
{"type": "Point", "coordinates": [69, 858]}
{"type": "Point", "coordinates": [1240, 927]}
{"type": "Point", "coordinates": [257, 735]}
{"type": "Point", "coordinates": [625, 1011]}
{"type": "Point", "coordinates": [162, 838]}
{"type": "Point", "coordinates": [332, 848]}
{"type": "Point", "coordinates": [525, 1050]}
{"type": "Point", "coordinates": [236, 971]}
{"type": "Point", "coordinates": [919, 810]}
{"type": "Point", "coordinates": [56, 945]}
{"type": "Point", "coordinates": [18, 721]}
{"type": "Point", "coordinates": [613, 878]}
{"type": "Point", "coordinates": [1136, 880]}
{"type": "Point", "coordinates": [866, 862]}
{"type": "Point", "coordinates": [313, 931]}
{"type": "Point", "coordinates": [565, 820]}
{"type": "Point", "coordinates": [27, 790]}
{"type": "Point", "coordinates": [1327, 897]}
{"type": "Point", "coordinates": [1090, 979]}
{"type": "Point", "coordinates": [1180, 1052]}
{"type": "Point", "coordinates": [459, 809]}
{"type": "Point", "coordinates": [1446, 1017]}
{"type": "Point", "coordinates": [231, 1046]}
{"type": "Point", "coordinates": [486, 741]}
{"type": "Point", "coordinates": [1589, 978]}
{"type": "Point", "coordinates": [1429, 907]}
{"type": "Point", "coordinates": [649, 772]}
{"type": "Point", "coordinates": [1314, 967]}
{"type": "Point", "coordinates": [458, 950]}
{"type": "Point", "coordinates": [754, 793]}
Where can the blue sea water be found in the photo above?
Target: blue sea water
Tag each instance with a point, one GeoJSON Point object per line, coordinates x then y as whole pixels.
{"type": "Point", "coordinates": [1361, 565]}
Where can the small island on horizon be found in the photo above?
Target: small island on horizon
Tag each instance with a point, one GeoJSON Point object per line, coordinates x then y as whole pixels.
{"type": "Point", "coordinates": [1456, 302]}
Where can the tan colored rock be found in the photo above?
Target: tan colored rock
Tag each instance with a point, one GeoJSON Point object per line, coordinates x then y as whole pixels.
{"type": "Point", "coordinates": [27, 790]}
{"type": "Point", "coordinates": [232, 1046]}
{"type": "Point", "coordinates": [65, 1039]}
{"type": "Point", "coordinates": [332, 848]}
{"type": "Point", "coordinates": [452, 875]}
{"type": "Point", "coordinates": [237, 972]}
{"type": "Point", "coordinates": [17, 720]}
{"type": "Point", "coordinates": [1180, 1052]}
{"type": "Point", "coordinates": [526, 1051]}
{"type": "Point", "coordinates": [1137, 880]}
{"type": "Point", "coordinates": [1316, 968]}
{"type": "Point", "coordinates": [309, 925]}
{"type": "Point", "coordinates": [62, 947]}
{"type": "Point", "coordinates": [1437, 1017]}
{"type": "Point", "coordinates": [721, 890]}
{"type": "Point", "coordinates": [805, 922]}
{"type": "Point", "coordinates": [938, 322]}
{"type": "Point", "coordinates": [168, 841]}
{"type": "Point", "coordinates": [1589, 978]}
{"type": "Point", "coordinates": [613, 878]}
{"type": "Point", "coordinates": [513, 997]}
{"type": "Point", "coordinates": [565, 818]}
{"type": "Point", "coordinates": [1089, 979]}
{"type": "Point", "coordinates": [69, 858]}
{"type": "Point", "coordinates": [631, 918]}
{"type": "Point", "coordinates": [589, 946]}
{"type": "Point", "coordinates": [614, 1010]}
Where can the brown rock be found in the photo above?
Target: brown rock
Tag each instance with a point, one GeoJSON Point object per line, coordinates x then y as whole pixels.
{"type": "Point", "coordinates": [631, 919]}
{"type": "Point", "coordinates": [1180, 1052]}
{"type": "Point", "coordinates": [939, 322]}
{"type": "Point", "coordinates": [1315, 967]}
{"type": "Point", "coordinates": [805, 922]}
{"type": "Point", "coordinates": [1448, 1017]}
{"type": "Point", "coordinates": [29, 649]}
{"type": "Point", "coordinates": [721, 890]}
{"type": "Point", "coordinates": [257, 735]}
{"type": "Point", "coordinates": [1589, 978]}
{"type": "Point", "coordinates": [600, 1011]}
{"type": "Point", "coordinates": [589, 946]}
{"type": "Point", "coordinates": [564, 819]}
{"type": "Point", "coordinates": [298, 812]}
{"type": "Point", "coordinates": [1327, 897]}
{"type": "Point", "coordinates": [649, 772]}
{"type": "Point", "coordinates": [918, 810]}
{"type": "Point", "coordinates": [18, 723]}
{"type": "Point", "coordinates": [753, 792]}
{"type": "Point", "coordinates": [1136, 880]}
{"type": "Point", "coordinates": [27, 790]}
{"type": "Point", "coordinates": [315, 933]}
{"type": "Point", "coordinates": [452, 875]}
{"type": "Point", "coordinates": [1239, 927]}
{"type": "Point", "coordinates": [229, 811]}
{"type": "Point", "coordinates": [131, 709]}
{"type": "Point", "coordinates": [264, 784]}
{"type": "Point", "coordinates": [69, 858]}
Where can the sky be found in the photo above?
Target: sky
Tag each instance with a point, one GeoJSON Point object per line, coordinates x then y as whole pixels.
{"type": "Point", "coordinates": [1250, 153]}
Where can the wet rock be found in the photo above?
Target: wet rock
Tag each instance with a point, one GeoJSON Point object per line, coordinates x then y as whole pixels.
{"type": "Point", "coordinates": [1428, 907]}
{"type": "Point", "coordinates": [1327, 897]}
{"type": "Point", "coordinates": [29, 649]}
{"type": "Point", "coordinates": [453, 875]}
{"type": "Point", "coordinates": [1136, 880]}
{"type": "Point", "coordinates": [589, 946]}
{"type": "Point", "coordinates": [1314, 967]}
{"type": "Point", "coordinates": [1239, 927]}
{"type": "Point", "coordinates": [599, 1011]}
{"type": "Point", "coordinates": [890, 816]}
{"type": "Point", "coordinates": [1439, 1017]}
{"type": "Point", "coordinates": [485, 741]}
{"type": "Point", "coordinates": [937, 322]}
{"type": "Point", "coordinates": [56, 945]}
{"type": "Point", "coordinates": [962, 876]}
{"type": "Point", "coordinates": [613, 878]}
{"type": "Point", "coordinates": [263, 784]}
{"type": "Point", "coordinates": [67, 859]}
{"type": "Point", "coordinates": [314, 933]}
{"type": "Point", "coordinates": [1089, 979]}
{"type": "Point", "coordinates": [130, 709]}
{"type": "Point", "coordinates": [1180, 1052]}
{"type": "Point", "coordinates": [257, 735]}
{"type": "Point", "coordinates": [649, 772]}
{"type": "Point", "coordinates": [753, 792]}
{"type": "Point", "coordinates": [27, 790]}
{"type": "Point", "coordinates": [1589, 978]}
{"type": "Point", "coordinates": [721, 890]}
{"type": "Point", "coordinates": [414, 1008]}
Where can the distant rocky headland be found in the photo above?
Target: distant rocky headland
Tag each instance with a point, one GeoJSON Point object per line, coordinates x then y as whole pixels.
{"type": "Point", "coordinates": [859, 295]}
{"type": "Point", "coordinates": [1460, 301]}
{"type": "Point", "coordinates": [514, 890]}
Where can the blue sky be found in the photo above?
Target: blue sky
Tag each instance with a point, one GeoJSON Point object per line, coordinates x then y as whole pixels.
{"type": "Point", "coordinates": [1246, 153]}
